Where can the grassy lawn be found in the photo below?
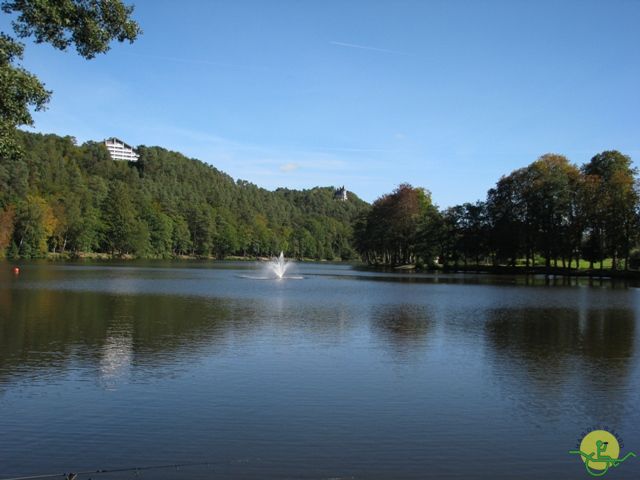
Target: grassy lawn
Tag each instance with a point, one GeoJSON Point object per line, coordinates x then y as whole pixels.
{"type": "Point", "coordinates": [584, 264]}
{"type": "Point", "coordinates": [607, 264]}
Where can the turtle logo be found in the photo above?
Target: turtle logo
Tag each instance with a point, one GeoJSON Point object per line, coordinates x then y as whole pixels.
{"type": "Point", "coordinates": [600, 450]}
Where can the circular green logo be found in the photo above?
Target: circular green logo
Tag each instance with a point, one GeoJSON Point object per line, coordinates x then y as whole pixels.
{"type": "Point", "coordinates": [600, 450]}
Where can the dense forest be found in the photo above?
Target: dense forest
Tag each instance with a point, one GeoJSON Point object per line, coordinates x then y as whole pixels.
{"type": "Point", "coordinates": [60, 198]}
{"type": "Point", "coordinates": [551, 213]}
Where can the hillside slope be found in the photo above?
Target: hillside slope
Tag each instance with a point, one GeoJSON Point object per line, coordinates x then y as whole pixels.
{"type": "Point", "coordinates": [60, 197]}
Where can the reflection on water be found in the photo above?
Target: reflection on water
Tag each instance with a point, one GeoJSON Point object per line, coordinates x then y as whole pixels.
{"type": "Point", "coordinates": [117, 354]}
{"type": "Point", "coordinates": [552, 351]}
{"type": "Point", "coordinates": [344, 373]}
{"type": "Point", "coordinates": [45, 329]}
{"type": "Point", "coordinates": [549, 341]}
{"type": "Point", "coordinates": [402, 327]}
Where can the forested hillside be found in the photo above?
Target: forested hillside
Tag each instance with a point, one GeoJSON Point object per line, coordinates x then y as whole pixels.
{"type": "Point", "coordinates": [57, 197]}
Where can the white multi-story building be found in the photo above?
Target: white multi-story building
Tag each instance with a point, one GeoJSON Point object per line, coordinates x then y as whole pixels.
{"type": "Point", "coordinates": [120, 150]}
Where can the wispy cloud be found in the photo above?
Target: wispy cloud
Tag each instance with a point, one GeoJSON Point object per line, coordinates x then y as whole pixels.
{"type": "Point", "coordinates": [289, 167]}
{"type": "Point", "coordinates": [279, 158]}
{"type": "Point", "coordinates": [273, 165]}
{"type": "Point", "coordinates": [325, 152]}
{"type": "Point", "coordinates": [348, 149]}
{"type": "Point", "coordinates": [367, 47]}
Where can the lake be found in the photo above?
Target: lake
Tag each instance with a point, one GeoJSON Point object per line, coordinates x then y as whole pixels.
{"type": "Point", "coordinates": [341, 373]}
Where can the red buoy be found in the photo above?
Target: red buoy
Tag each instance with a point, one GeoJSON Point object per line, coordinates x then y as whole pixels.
{"type": "Point", "coordinates": [16, 270]}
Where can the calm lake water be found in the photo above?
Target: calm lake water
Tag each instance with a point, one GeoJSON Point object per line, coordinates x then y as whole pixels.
{"type": "Point", "coordinates": [340, 374]}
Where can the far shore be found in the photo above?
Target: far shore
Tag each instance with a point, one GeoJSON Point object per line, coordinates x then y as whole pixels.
{"type": "Point", "coordinates": [97, 256]}
{"type": "Point", "coordinates": [519, 270]}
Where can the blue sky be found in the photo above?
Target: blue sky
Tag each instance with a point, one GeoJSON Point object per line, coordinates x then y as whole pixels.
{"type": "Point", "coordinates": [447, 95]}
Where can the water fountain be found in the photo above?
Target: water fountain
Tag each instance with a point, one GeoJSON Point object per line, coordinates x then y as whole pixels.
{"type": "Point", "coordinates": [276, 268]}
{"type": "Point", "coordinates": [278, 265]}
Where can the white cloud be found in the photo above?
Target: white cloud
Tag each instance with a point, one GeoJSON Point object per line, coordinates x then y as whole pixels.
{"type": "Point", "coordinates": [289, 167]}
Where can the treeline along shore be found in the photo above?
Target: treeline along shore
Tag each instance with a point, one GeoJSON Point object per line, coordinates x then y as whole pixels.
{"type": "Point", "coordinates": [63, 200]}
{"type": "Point", "coordinates": [551, 216]}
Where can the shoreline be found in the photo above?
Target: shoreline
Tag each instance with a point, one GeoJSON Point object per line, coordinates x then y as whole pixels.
{"type": "Point", "coordinates": [107, 257]}
{"type": "Point", "coordinates": [520, 271]}
{"type": "Point", "coordinates": [551, 271]}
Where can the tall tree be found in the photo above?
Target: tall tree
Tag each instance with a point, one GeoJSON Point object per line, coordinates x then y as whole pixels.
{"type": "Point", "coordinates": [615, 219]}
{"type": "Point", "coordinates": [120, 219]}
{"type": "Point", "coordinates": [390, 233]}
{"type": "Point", "coordinates": [34, 223]}
{"type": "Point", "coordinates": [473, 230]}
{"type": "Point", "coordinates": [509, 219]}
{"type": "Point", "coordinates": [89, 25]}
{"type": "Point", "coordinates": [7, 216]}
{"type": "Point", "coordinates": [549, 195]}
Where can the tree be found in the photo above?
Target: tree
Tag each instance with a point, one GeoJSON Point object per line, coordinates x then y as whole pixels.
{"type": "Point", "coordinates": [20, 91]}
{"type": "Point", "coordinates": [89, 25]}
{"type": "Point", "coordinates": [86, 231]}
{"type": "Point", "coordinates": [431, 237]}
{"type": "Point", "coordinates": [32, 224]}
{"type": "Point", "coordinates": [451, 239]}
{"type": "Point", "coordinates": [180, 237]}
{"type": "Point", "coordinates": [613, 219]}
{"type": "Point", "coordinates": [507, 212]}
{"type": "Point", "coordinates": [390, 232]}
{"type": "Point", "coordinates": [226, 238]}
{"type": "Point", "coordinates": [160, 231]}
{"type": "Point", "coordinates": [201, 221]}
{"type": "Point", "coordinates": [140, 239]}
{"type": "Point", "coordinates": [121, 222]}
{"type": "Point", "coordinates": [549, 196]}
{"type": "Point", "coordinates": [6, 228]}
{"type": "Point", "coordinates": [467, 232]}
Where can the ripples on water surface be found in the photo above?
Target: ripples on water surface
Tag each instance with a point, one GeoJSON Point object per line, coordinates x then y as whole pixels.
{"type": "Point", "coordinates": [344, 373]}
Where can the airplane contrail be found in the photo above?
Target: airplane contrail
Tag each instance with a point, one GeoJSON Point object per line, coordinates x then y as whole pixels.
{"type": "Point", "coordinates": [365, 47]}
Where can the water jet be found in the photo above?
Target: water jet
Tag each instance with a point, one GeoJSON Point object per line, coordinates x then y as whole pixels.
{"type": "Point", "coordinates": [278, 265]}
